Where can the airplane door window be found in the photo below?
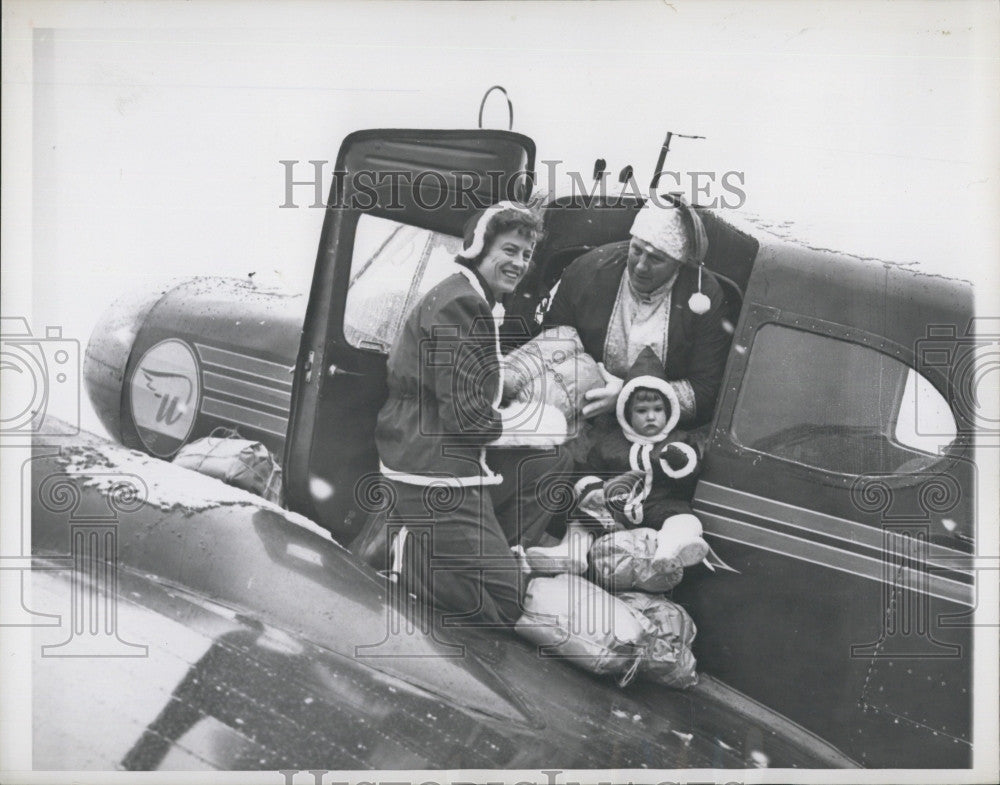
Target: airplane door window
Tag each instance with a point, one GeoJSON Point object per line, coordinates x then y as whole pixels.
{"type": "Point", "coordinates": [393, 265]}
{"type": "Point", "coordinates": [838, 406]}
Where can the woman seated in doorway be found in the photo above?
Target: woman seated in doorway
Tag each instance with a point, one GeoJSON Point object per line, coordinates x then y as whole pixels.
{"type": "Point", "coordinates": [442, 413]}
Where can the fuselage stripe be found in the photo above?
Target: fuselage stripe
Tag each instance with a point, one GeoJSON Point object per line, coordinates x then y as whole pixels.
{"type": "Point", "coordinates": [245, 364]}
{"type": "Point", "coordinates": [889, 570]}
{"type": "Point", "coordinates": [242, 415]}
{"type": "Point", "coordinates": [740, 505]}
{"type": "Point", "coordinates": [958, 568]}
{"type": "Point", "coordinates": [247, 391]}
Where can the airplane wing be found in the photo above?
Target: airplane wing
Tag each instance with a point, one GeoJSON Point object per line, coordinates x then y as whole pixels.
{"type": "Point", "coordinates": [231, 634]}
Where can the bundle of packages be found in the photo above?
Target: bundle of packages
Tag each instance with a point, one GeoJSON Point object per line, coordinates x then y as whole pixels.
{"type": "Point", "coordinates": [237, 462]}
{"type": "Point", "coordinates": [623, 560]}
{"type": "Point", "coordinates": [572, 618]}
{"type": "Point", "coordinates": [552, 368]}
{"type": "Point", "coordinates": [667, 658]}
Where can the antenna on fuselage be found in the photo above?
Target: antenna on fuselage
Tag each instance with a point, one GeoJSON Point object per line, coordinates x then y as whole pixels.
{"type": "Point", "coordinates": [663, 156]}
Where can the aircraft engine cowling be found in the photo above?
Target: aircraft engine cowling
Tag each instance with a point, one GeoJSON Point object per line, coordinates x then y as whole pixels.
{"type": "Point", "coordinates": [167, 367]}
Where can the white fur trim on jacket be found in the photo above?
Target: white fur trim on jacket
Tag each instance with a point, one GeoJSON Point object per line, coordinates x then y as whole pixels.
{"type": "Point", "coordinates": [660, 385]}
{"type": "Point", "coordinates": [585, 485]}
{"type": "Point", "coordinates": [489, 477]}
{"type": "Point", "coordinates": [688, 468]}
{"type": "Point", "coordinates": [633, 508]}
{"type": "Point", "coordinates": [479, 234]}
{"type": "Point", "coordinates": [498, 314]}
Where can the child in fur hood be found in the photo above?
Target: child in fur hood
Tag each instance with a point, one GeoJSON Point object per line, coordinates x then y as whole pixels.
{"type": "Point", "coordinates": [652, 477]}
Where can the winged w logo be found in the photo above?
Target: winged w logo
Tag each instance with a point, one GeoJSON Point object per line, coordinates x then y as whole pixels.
{"type": "Point", "coordinates": [165, 389]}
{"type": "Point", "coordinates": [163, 385]}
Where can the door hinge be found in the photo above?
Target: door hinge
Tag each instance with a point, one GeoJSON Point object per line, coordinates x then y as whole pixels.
{"type": "Point", "coordinates": [307, 366]}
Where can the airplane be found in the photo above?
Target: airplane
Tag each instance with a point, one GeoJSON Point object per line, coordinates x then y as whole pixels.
{"type": "Point", "coordinates": [231, 633]}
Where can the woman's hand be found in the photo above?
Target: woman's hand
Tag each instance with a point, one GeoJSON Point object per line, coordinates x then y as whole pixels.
{"type": "Point", "coordinates": [603, 399]}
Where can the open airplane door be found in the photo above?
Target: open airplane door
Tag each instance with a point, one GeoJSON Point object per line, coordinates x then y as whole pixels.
{"type": "Point", "coordinates": [393, 225]}
{"type": "Point", "coordinates": [839, 485]}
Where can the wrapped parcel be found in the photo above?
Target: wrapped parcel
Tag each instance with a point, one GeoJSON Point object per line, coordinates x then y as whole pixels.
{"type": "Point", "coordinates": [554, 369]}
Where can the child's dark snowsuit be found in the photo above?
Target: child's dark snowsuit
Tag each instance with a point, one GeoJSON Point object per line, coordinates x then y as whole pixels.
{"type": "Point", "coordinates": [653, 476]}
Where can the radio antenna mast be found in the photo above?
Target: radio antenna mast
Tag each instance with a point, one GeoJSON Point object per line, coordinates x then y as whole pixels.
{"type": "Point", "coordinates": [663, 155]}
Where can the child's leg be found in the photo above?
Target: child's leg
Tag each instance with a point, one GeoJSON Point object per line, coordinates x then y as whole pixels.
{"type": "Point", "coordinates": [680, 542]}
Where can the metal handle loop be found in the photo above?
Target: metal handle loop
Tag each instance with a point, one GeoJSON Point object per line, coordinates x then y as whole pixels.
{"type": "Point", "coordinates": [510, 106]}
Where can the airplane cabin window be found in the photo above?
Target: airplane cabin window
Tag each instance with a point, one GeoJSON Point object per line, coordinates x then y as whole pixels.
{"type": "Point", "coordinates": [838, 406]}
{"type": "Point", "coordinates": [392, 267]}
{"type": "Point", "coordinates": [925, 421]}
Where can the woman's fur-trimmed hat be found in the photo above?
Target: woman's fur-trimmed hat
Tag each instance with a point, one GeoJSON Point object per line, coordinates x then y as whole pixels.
{"type": "Point", "coordinates": [475, 230]}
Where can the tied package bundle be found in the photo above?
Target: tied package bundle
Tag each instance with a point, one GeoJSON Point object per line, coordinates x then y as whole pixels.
{"type": "Point", "coordinates": [571, 617]}
{"type": "Point", "coordinates": [667, 658]}
{"type": "Point", "coordinates": [553, 368]}
{"type": "Point", "coordinates": [237, 462]}
{"type": "Point", "coordinates": [623, 560]}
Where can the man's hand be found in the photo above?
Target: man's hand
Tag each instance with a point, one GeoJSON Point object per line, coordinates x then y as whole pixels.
{"type": "Point", "coordinates": [602, 399]}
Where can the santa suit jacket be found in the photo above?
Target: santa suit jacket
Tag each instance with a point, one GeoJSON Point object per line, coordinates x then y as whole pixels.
{"type": "Point", "coordinates": [443, 378]}
{"type": "Point", "coordinates": [697, 345]}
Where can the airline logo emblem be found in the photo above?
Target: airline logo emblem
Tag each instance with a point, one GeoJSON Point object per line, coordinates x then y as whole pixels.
{"type": "Point", "coordinates": [165, 389]}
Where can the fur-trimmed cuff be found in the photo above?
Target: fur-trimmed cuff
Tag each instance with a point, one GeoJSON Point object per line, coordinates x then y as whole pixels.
{"type": "Point", "coordinates": [685, 397]}
{"type": "Point", "coordinates": [585, 485]}
{"type": "Point", "coordinates": [678, 460]}
{"type": "Point", "coordinates": [532, 425]}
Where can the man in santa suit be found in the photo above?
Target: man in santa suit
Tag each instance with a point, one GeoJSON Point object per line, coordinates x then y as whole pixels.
{"type": "Point", "coordinates": [651, 291]}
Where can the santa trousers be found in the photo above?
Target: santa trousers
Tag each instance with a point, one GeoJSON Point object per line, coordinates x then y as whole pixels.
{"type": "Point", "coordinates": [535, 494]}
{"type": "Point", "coordinates": [457, 553]}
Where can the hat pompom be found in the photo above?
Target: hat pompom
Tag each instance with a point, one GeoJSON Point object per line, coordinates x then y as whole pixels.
{"type": "Point", "coordinates": [699, 303]}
